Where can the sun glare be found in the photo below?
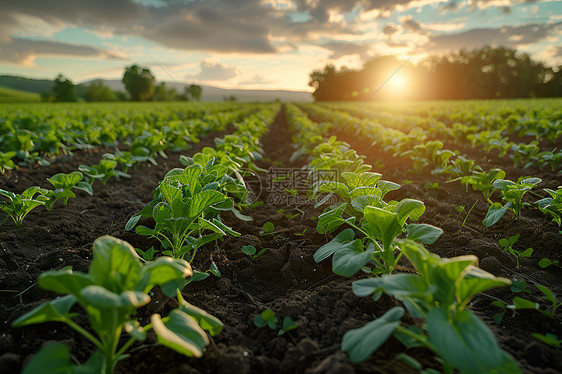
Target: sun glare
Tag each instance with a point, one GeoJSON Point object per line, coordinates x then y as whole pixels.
{"type": "Point", "coordinates": [398, 82]}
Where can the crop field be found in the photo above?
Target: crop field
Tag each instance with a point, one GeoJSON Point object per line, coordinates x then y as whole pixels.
{"type": "Point", "coordinates": [416, 237]}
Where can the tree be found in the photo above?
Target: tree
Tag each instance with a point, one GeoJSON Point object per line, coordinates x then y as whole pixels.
{"type": "Point", "coordinates": [139, 82]}
{"type": "Point", "coordinates": [194, 91]}
{"type": "Point", "coordinates": [63, 89]}
{"type": "Point", "coordinates": [97, 91]}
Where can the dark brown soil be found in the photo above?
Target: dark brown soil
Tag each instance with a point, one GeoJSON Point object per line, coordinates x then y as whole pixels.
{"type": "Point", "coordinates": [285, 278]}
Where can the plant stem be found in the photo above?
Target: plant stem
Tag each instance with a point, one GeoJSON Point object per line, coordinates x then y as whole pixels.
{"type": "Point", "coordinates": [85, 333]}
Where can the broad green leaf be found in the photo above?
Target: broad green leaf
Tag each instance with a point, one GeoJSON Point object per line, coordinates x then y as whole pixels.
{"type": "Point", "coordinates": [342, 239]}
{"type": "Point", "coordinates": [362, 342]}
{"type": "Point", "coordinates": [382, 224]}
{"type": "Point", "coordinates": [495, 213]}
{"type": "Point", "coordinates": [64, 281]}
{"type": "Point", "coordinates": [162, 212]}
{"type": "Point", "coordinates": [161, 271]}
{"type": "Point", "coordinates": [427, 234]}
{"type": "Point", "coordinates": [203, 200]}
{"type": "Point", "coordinates": [51, 359]}
{"type": "Point", "coordinates": [520, 303]}
{"type": "Point", "coordinates": [132, 222]}
{"type": "Point", "coordinates": [100, 297]}
{"type": "Point", "coordinates": [460, 340]}
{"type": "Point", "coordinates": [409, 208]}
{"type": "Point", "coordinates": [361, 202]}
{"type": "Point", "coordinates": [364, 191]}
{"type": "Point", "coordinates": [476, 280]}
{"type": "Point", "coordinates": [549, 296]}
{"type": "Point", "coordinates": [86, 187]}
{"type": "Point", "coordinates": [350, 258]}
{"type": "Point", "coordinates": [54, 310]}
{"type": "Point", "coordinates": [387, 186]}
{"type": "Point", "coordinates": [338, 188]}
{"type": "Point", "coordinates": [207, 321]}
{"type": "Point", "coordinates": [116, 265]}
{"type": "Point", "coordinates": [181, 333]}
{"type": "Point", "coordinates": [145, 231]}
{"type": "Point", "coordinates": [331, 220]}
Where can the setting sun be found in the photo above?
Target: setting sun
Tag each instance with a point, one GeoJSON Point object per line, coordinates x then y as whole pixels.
{"type": "Point", "coordinates": [397, 82]}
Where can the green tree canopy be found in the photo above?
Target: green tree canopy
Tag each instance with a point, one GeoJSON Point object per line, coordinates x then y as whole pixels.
{"type": "Point", "coordinates": [139, 82]}
{"type": "Point", "coordinates": [63, 89]}
{"type": "Point", "coordinates": [194, 91]}
{"type": "Point", "coordinates": [97, 91]}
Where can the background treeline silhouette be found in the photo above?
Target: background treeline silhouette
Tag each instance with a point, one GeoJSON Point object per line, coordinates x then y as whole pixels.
{"type": "Point", "coordinates": [487, 73]}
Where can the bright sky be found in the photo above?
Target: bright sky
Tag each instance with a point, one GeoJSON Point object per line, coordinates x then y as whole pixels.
{"type": "Point", "coordinates": [258, 44]}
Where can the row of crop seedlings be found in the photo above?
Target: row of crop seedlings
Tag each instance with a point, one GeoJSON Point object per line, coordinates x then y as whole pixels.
{"type": "Point", "coordinates": [186, 210]}
{"type": "Point", "coordinates": [144, 148]}
{"type": "Point", "coordinates": [430, 154]}
{"type": "Point", "coordinates": [25, 139]}
{"type": "Point", "coordinates": [439, 291]}
{"type": "Point", "coordinates": [490, 132]}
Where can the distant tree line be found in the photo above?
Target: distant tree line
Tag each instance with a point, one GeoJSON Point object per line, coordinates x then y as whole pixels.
{"type": "Point", "coordinates": [486, 73]}
{"type": "Point", "coordinates": [139, 82]}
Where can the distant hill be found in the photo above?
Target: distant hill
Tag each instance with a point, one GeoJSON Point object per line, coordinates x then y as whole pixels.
{"type": "Point", "coordinates": [26, 84]}
{"type": "Point", "coordinates": [210, 93]}
{"type": "Point", "coordinates": [9, 95]}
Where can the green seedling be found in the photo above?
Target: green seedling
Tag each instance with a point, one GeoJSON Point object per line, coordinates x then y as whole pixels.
{"type": "Point", "coordinates": [181, 218]}
{"type": "Point", "coordinates": [18, 206]}
{"type": "Point", "coordinates": [288, 325]}
{"type": "Point", "coordinates": [520, 303]}
{"type": "Point", "coordinates": [102, 171]}
{"type": "Point", "coordinates": [483, 181]}
{"type": "Point", "coordinates": [6, 162]}
{"type": "Point", "coordinates": [251, 251]}
{"type": "Point", "coordinates": [303, 233]}
{"type": "Point", "coordinates": [519, 285]}
{"type": "Point", "coordinates": [461, 167]}
{"type": "Point", "coordinates": [378, 230]}
{"type": "Point", "coordinates": [512, 194]}
{"type": "Point", "coordinates": [64, 184]}
{"type": "Point", "coordinates": [438, 293]}
{"type": "Point", "coordinates": [435, 187]}
{"type": "Point", "coordinates": [549, 339]}
{"type": "Point", "coordinates": [554, 159]}
{"type": "Point", "coordinates": [507, 247]}
{"type": "Point", "coordinates": [545, 262]}
{"type": "Point", "coordinates": [116, 285]}
{"type": "Point", "coordinates": [147, 255]}
{"type": "Point", "coordinates": [268, 228]}
{"type": "Point", "coordinates": [266, 318]}
{"type": "Point", "coordinates": [552, 205]}
{"type": "Point", "coordinates": [459, 210]}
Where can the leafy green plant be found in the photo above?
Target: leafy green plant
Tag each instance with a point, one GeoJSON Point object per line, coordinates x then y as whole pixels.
{"type": "Point", "coordinates": [512, 195]}
{"type": "Point", "coordinates": [17, 206]}
{"type": "Point", "coordinates": [483, 181]}
{"type": "Point", "coordinates": [251, 251]}
{"type": "Point", "coordinates": [378, 229]}
{"type": "Point", "coordinates": [552, 205]}
{"type": "Point", "coordinates": [268, 228]}
{"type": "Point", "coordinates": [439, 294]}
{"type": "Point", "coordinates": [507, 247]}
{"type": "Point", "coordinates": [102, 171]}
{"type": "Point", "coordinates": [554, 158]}
{"type": "Point", "coordinates": [183, 214]}
{"type": "Point", "coordinates": [545, 262]}
{"type": "Point", "coordinates": [461, 167]}
{"type": "Point", "coordinates": [288, 325]}
{"type": "Point", "coordinates": [64, 184]}
{"type": "Point", "coordinates": [6, 162]}
{"type": "Point", "coordinates": [110, 293]}
{"type": "Point", "coordinates": [266, 318]}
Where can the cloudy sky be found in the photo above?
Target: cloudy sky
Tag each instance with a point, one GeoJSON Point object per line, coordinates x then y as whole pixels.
{"type": "Point", "coordinates": [258, 43]}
